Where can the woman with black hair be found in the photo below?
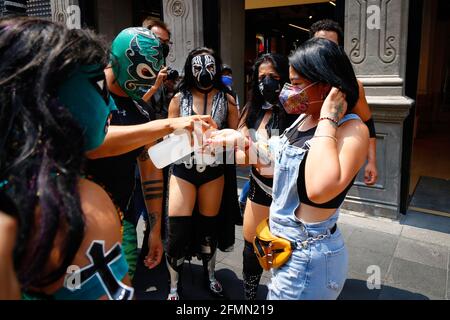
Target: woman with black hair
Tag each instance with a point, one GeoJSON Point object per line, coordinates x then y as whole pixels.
{"type": "Point", "coordinates": [262, 117]}
{"type": "Point", "coordinates": [198, 185]}
{"type": "Point", "coordinates": [54, 108]}
{"type": "Point", "coordinates": [45, 129]}
{"type": "Point", "coordinates": [316, 161]}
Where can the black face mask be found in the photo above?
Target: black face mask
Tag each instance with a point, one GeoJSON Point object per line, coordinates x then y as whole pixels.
{"type": "Point", "coordinates": [270, 89]}
{"type": "Point", "coordinates": [205, 81]}
{"type": "Point", "coordinates": [165, 49]}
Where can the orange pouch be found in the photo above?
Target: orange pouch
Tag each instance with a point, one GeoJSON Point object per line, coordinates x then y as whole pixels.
{"type": "Point", "coordinates": [271, 251]}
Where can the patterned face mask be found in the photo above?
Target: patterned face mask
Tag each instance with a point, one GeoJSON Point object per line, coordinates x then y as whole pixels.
{"type": "Point", "coordinates": [137, 56]}
{"type": "Point", "coordinates": [204, 70]}
{"type": "Point", "coordinates": [294, 98]}
{"type": "Point", "coordinates": [92, 108]}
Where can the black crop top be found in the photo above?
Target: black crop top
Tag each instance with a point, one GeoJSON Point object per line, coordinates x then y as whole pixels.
{"type": "Point", "coordinates": [298, 139]}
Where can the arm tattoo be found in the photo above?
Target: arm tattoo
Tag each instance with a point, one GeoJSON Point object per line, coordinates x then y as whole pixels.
{"type": "Point", "coordinates": [152, 189]}
{"type": "Point", "coordinates": [339, 110]}
{"type": "Point", "coordinates": [152, 219]}
{"type": "Point", "coordinates": [146, 183]}
{"type": "Point", "coordinates": [153, 196]}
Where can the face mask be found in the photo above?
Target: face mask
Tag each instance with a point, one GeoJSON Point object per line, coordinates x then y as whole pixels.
{"type": "Point", "coordinates": [294, 99]}
{"type": "Point", "coordinates": [204, 71]}
{"type": "Point", "coordinates": [270, 89]}
{"type": "Point", "coordinates": [165, 50]}
{"type": "Point", "coordinates": [227, 80]}
{"type": "Point", "coordinates": [86, 96]}
{"type": "Point", "coordinates": [137, 56]}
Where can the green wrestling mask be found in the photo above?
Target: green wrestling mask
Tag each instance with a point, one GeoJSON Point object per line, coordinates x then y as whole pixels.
{"type": "Point", "coordinates": [86, 96]}
{"type": "Point", "coordinates": [136, 58]}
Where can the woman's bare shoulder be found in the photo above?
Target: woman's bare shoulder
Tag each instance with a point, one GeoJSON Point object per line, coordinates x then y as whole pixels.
{"type": "Point", "coordinates": [99, 211]}
{"type": "Point", "coordinates": [7, 223]}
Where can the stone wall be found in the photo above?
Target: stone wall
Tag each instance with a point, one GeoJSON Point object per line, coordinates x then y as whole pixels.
{"type": "Point", "coordinates": [376, 33]}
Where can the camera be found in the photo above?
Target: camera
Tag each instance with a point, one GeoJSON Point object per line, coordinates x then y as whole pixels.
{"type": "Point", "coordinates": [172, 74]}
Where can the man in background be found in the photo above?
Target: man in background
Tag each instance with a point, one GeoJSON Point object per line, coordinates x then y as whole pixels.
{"type": "Point", "coordinates": [332, 31]}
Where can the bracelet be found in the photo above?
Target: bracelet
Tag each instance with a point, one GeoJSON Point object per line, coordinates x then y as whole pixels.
{"type": "Point", "coordinates": [330, 119]}
{"type": "Point", "coordinates": [325, 136]}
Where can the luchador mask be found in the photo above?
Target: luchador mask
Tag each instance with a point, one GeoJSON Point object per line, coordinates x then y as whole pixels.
{"type": "Point", "coordinates": [86, 96]}
{"type": "Point", "coordinates": [137, 56]}
{"type": "Point", "coordinates": [204, 70]}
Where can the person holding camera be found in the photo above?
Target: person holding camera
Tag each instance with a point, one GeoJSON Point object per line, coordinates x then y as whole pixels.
{"type": "Point", "coordinates": [159, 95]}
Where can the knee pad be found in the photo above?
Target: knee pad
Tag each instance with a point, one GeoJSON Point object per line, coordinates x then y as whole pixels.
{"type": "Point", "coordinates": [179, 238]}
{"type": "Point", "coordinates": [251, 266]}
{"type": "Point", "coordinates": [207, 232]}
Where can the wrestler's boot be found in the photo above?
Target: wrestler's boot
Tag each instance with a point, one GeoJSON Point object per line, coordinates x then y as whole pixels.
{"type": "Point", "coordinates": [179, 237]}
{"type": "Point", "coordinates": [251, 272]}
{"type": "Point", "coordinates": [208, 250]}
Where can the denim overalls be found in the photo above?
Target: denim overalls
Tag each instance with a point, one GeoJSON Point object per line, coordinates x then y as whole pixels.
{"type": "Point", "coordinates": [317, 268]}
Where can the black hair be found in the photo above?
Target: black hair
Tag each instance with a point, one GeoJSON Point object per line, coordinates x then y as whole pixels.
{"type": "Point", "coordinates": [252, 110]}
{"type": "Point", "coordinates": [327, 25]}
{"type": "Point", "coordinates": [41, 145]}
{"type": "Point", "coordinates": [321, 60]}
{"type": "Point", "coordinates": [188, 81]}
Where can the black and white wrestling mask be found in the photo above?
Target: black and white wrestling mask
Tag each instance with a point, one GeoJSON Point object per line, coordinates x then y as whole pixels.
{"type": "Point", "coordinates": [204, 71]}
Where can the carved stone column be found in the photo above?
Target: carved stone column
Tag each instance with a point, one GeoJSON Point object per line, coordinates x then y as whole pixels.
{"type": "Point", "coordinates": [376, 33]}
{"type": "Point", "coordinates": [185, 20]}
{"type": "Point", "coordinates": [66, 12]}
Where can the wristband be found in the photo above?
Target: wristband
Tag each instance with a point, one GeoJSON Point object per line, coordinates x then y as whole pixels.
{"type": "Point", "coordinates": [330, 119]}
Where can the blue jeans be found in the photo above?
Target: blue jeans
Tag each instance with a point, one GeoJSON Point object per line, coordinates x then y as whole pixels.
{"type": "Point", "coordinates": [317, 268]}
{"type": "Point", "coordinates": [315, 272]}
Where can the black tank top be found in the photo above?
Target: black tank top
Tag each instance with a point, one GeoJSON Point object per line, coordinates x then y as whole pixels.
{"type": "Point", "coordinates": [298, 139]}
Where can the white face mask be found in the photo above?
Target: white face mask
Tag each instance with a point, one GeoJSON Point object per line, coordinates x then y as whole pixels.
{"type": "Point", "coordinates": [204, 70]}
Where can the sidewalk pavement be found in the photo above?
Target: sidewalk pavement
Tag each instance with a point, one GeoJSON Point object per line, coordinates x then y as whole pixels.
{"type": "Point", "coordinates": [412, 255]}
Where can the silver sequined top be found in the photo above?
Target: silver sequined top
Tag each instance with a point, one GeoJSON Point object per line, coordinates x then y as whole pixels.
{"type": "Point", "coordinates": [219, 111]}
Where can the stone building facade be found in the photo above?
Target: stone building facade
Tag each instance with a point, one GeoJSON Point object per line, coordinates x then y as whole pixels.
{"type": "Point", "coordinates": [376, 35]}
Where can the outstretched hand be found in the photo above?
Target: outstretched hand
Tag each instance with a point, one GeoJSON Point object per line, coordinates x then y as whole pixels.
{"type": "Point", "coordinates": [197, 123]}
{"type": "Point", "coordinates": [226, 138]}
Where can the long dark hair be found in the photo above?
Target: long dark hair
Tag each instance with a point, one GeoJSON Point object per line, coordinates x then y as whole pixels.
{"type": "Point", "coordinates": [188, 81]}
{"type": "Point", "coordinates": [252, 110]}
{"type": "Point", "coordinates": [40, 143]}
{"type": "Point", "coordinates": [321, 60]}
